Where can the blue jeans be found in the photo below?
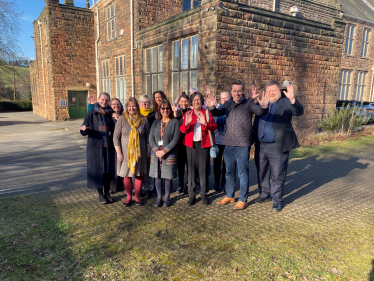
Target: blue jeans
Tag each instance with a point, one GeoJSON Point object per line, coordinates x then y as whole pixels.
{"type": "Point", "coordinates": [237, 157]}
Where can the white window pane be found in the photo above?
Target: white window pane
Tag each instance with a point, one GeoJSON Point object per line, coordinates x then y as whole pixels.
{"type": "Point", "coordinates": [175, 85]}
{"type": "Point", "coordinates": [124, 90]}
{"type": "Point", "coordinates": [184, 54]}
{"type": "Point", "coordinates": [121, 89]}
{"type": "Point", "coordinates": [124, 69]}
{"type": "Point", "coordinates": [160, 58]}
{"type": "Point", "coordinates": [194, 51]}
{"type": "Point", "coordinates": [116, 83]}
{"type": "Point", "coordinates": [148, 85]}
{"type": "Point", "coordinates": [193, 79]}
{"type": "Point", "coordinates": [184, 79]}
{"type": "Point", "coordinates": [108, 31]}
{"type": "Point", "coordinates": [116, 66]}
{"type": "Point", "coordinates": [161, 82]}
{"type": "Point", "coordinates": [154, 59]}
{"type": "Point", "coordinates": [148, 60]}
{"type": "Point", "coordinates": [113, 35]}
{"type": "Point", "coordinates": [154, 82]}
{"type": "Point", "coordinates": [176, 55]}
{"type": "Point", "coordinates": [120, 66]}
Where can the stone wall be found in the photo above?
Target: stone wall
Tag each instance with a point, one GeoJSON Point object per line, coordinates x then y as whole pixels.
{"type": "Point", "coordinates": [256, 46]}
{"type": "Point", "coordinates": [65, 57]}
{"type": "Point", "coordinates": [355, 62]}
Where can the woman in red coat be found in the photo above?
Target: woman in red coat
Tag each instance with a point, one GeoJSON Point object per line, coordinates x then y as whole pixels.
{"type": "Point", "coordinates": [198, 127]}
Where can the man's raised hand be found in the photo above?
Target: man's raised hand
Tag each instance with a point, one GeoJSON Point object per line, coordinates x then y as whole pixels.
{"type": "Point", "coordinates": [290, 94]}
{"type": "Point", "coordinates": [210, 100]}
{"type": "Point", "coordinates": [264, 101]}
{"type": "Point", "coordinates": [252, 92]}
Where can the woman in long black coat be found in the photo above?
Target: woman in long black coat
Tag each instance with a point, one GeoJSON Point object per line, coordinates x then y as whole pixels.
{"type": "Point", "coordinates": [99, 126]}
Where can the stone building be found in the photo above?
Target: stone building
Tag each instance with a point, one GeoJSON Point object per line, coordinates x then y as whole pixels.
{"type": "Point", "coordinates": [142, 46]}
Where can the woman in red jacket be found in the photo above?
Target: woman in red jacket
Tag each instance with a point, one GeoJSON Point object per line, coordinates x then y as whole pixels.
{"type": "Point", "coordinates": [198, 127]}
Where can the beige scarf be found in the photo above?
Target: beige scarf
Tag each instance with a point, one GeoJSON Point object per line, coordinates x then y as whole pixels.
{"type": "Point", "coordinates": [133, 150]}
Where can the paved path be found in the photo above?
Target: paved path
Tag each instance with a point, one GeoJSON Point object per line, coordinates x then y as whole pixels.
{"type": "Point", "coordinates": [38, 155]}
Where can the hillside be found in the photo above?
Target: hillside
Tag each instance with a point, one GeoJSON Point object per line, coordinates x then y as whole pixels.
{"type": "Point", "coordinates": [7, 76]}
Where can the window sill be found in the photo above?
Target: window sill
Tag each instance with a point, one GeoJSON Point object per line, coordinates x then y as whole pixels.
{"type": "Point", "coordinates": [351, 56]}
{"type": "Point", "coordinates": [108, 41]}
{"type": "Point", "coordinates": [365, 58]}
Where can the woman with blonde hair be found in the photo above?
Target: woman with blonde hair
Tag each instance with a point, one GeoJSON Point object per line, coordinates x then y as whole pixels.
{"type": "Point", "coordinates": [131, 143]}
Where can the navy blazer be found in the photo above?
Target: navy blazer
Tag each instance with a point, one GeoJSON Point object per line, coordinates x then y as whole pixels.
{"type": "Point", "coordinates": [284, 133]}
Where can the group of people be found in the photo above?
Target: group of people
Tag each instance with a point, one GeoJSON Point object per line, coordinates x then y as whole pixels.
{"type": "Point", "coordinates": [150, 142]}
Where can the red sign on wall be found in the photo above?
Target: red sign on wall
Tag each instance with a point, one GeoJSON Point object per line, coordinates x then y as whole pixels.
{"type": "Point", "coordinates": [73, 99]}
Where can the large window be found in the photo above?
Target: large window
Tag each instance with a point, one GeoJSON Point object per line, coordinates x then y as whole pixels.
{"type": "Point", "coordinates": [365, 43]}
{"type": "Point", "coordinates": [189, 4]}
{"type": "Point", "coordinates": [120, 78]}
{"type": "Point", "coordinates": [154, 77]}
{"type": "Point", "coordinates": [110, 22]}
{"type": "Point", "coordinates": [106, 75]}
{"type": "Point", "coordinates": [184, 63]}
{"type": "Point", "coordinates": [349, 39]}
{"type": "Point", "coordinates": [360, 85]}
{"type": "Point", "coordinates": [344, 84]}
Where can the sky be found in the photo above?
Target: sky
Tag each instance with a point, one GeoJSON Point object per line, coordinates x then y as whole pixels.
{"type": "Point", "coordinates": [30, 11]}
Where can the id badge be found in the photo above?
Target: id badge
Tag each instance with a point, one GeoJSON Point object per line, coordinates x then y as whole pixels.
{"type": "Point", "coordinates": [160, 143]}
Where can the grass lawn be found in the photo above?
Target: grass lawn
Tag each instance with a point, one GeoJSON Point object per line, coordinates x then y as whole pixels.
{"type": "Point", "coordinates": [7, 75]}
{"type": "Point", "coordinates": [67, 235]}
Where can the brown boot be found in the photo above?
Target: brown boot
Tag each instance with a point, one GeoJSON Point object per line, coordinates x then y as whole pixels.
{"type": "Point", "coordinates": [226, 200]}
{"type": "Point", "coordinates": [240, 205]}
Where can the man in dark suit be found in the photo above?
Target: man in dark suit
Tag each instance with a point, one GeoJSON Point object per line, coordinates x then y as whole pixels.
{"type": "Point", "coordinates": [274, 138]}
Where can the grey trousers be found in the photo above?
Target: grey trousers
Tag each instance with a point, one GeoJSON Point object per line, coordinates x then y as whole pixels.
{"type": "Point", "coordinates": [271, 163]}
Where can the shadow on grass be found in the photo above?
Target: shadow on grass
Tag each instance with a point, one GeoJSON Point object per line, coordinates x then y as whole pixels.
{"type": "Point", "coordinates": [371, 276]}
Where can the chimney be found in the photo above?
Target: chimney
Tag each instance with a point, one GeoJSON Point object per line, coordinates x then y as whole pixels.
{"type": "Point", "coordinates": [69, 2]}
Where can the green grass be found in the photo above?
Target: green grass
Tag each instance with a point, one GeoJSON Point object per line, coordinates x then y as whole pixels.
{"type": "Point", "coordinates": [7, 75]}
{"type": "Point", "coordinates": [66, 235]}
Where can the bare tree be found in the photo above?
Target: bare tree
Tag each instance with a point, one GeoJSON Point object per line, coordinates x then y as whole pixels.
{"type": "Point", "coordinates": [9, 31]}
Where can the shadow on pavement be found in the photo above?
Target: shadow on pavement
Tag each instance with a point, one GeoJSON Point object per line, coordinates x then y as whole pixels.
{"type": "Point", "coordinates": [306, 175]}
{"type": "Point", "coordinates": [11, 123]}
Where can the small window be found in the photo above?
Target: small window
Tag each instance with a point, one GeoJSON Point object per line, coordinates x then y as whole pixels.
{"type": "Point", "coordinates": [111, 22]}
{"type": "Point", "coordinates": [365, 43]}
{"type": "Point", "coordinates": [344, 84]}
{"type": "Point", "coordinates": [349, 39]}
{"type": "Point", "coordinates": [120, 78]}
{"type": "Point", "coordinates": [184, 64]}
{"type": "Point", "coordinates": [154, 77]}
{"type": "Point", "coordinates": [360, 85]}
{"type": "Point", "coordinates": [189, 4]}
{"type": "Point", "coordinates": [106, 76]}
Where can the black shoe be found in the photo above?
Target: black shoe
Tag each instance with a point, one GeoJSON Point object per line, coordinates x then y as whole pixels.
{"type": "Point", "coordinates": [127, 204]}
{"type": "Point", "coordinates": [277, 207]}
{"type": "Point", "coordinates": [109, 198]}
{"type": "Point", "coordinates": [185, 191]}
{"type": "Point", "coordinates": [143, 193]}
{"type": "Point", "coordinates": [180, 189]}
{"type": "Point", "coordinates": [261, 200]}
{"type": "Point", "coordinates": [205, 200]}
{"type": "Point", "coordinates": [158, 203]}
{"type": "Point", "coordinates": [167, 203]}
{"type": "Point", "coordinates": [112, 192]}
{"type": "Point", "coordinates": [139, 203]}
{"type": "Point", "coordinates": [103, 199]}
{"type": "Point", "coordinates": [191, 201]}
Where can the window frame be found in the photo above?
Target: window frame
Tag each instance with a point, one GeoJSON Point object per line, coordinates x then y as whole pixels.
{"type": "Point", "coordinates": [349, 41]}
{"type": "Point", "coordinates": [360, 85]}
{"type": "Point", "coordinates": [179, 71]}
{"type": "Point", "coordinates": [154, 69]}
{"type": "Point", "coordinates": [106, 78]}
{"type": "Point", "coordinates": [345, 79]}
{"type": "Point", "coordinates": [120, 78]}
{"type": "Point", "coordinates": [365, 42]}
{"type": "Point", "coordinates": [110, 12]}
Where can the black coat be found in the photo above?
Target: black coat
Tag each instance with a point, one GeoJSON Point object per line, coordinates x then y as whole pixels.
{"type": "Point", "coordinates": [95, 150]}
{"type": "Point", "coordinates": [284, 133]}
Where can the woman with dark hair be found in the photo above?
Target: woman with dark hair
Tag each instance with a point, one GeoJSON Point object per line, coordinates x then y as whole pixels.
{"type": "Point", "coordinates": [184, 106]}
{"type": "Point", "coordinates": [116, 184]}
{"type": "Point", "coordinates": [198, 125]}
{"type": "Point", "coordinates": [99, 126]}
{"type": "Point", "coordinates": [163, 140]}
{"type": "Point", "coordinates": [157, 98]}
{"type": "Point", "coordinates": [131, 143]}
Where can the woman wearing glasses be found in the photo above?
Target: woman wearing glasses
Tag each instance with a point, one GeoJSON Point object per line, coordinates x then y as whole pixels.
{"type": "Point", "coordinates": [198, 126]}
{"type": "Point", "coordinates": [163, 140]}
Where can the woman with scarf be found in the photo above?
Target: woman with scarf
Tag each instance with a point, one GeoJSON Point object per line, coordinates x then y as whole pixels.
{"type": "Point", "coordinates": [184, 106]}
{"type": "Point", "coordinates": [147, 111]}
{"type": "Point", "coordinates": [163, 139]}
{"type": "Point", "coordinates": [116, 184]}
{"type": "Point", "coordinates": [99, 126]}
{"type": "Point", "coordinates": [131, 144]}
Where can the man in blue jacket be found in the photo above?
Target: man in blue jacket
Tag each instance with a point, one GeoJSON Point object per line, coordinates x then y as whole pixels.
{"type": "Point", "coordinates": [275, 137]}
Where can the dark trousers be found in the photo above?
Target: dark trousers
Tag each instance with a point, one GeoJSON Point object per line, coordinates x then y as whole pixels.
{"type": "Point", "coordinates": [219, 167]}
{"type": "Point", "coordinates": [197, 161]}
{"type": "Point", "coordinates": [182, 163]}
{"type": "Point", "coordinates": [271, 163]}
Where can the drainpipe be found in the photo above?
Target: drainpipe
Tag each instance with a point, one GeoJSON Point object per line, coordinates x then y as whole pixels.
{"type": "Point", "coordinates": [132, 49]}
{"type": "Point", "coordinates": [41, 55]}
{"type": "Point", "coordinates": [274, 3]}
{"type": "Point", "coordinates": [96, 50]}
